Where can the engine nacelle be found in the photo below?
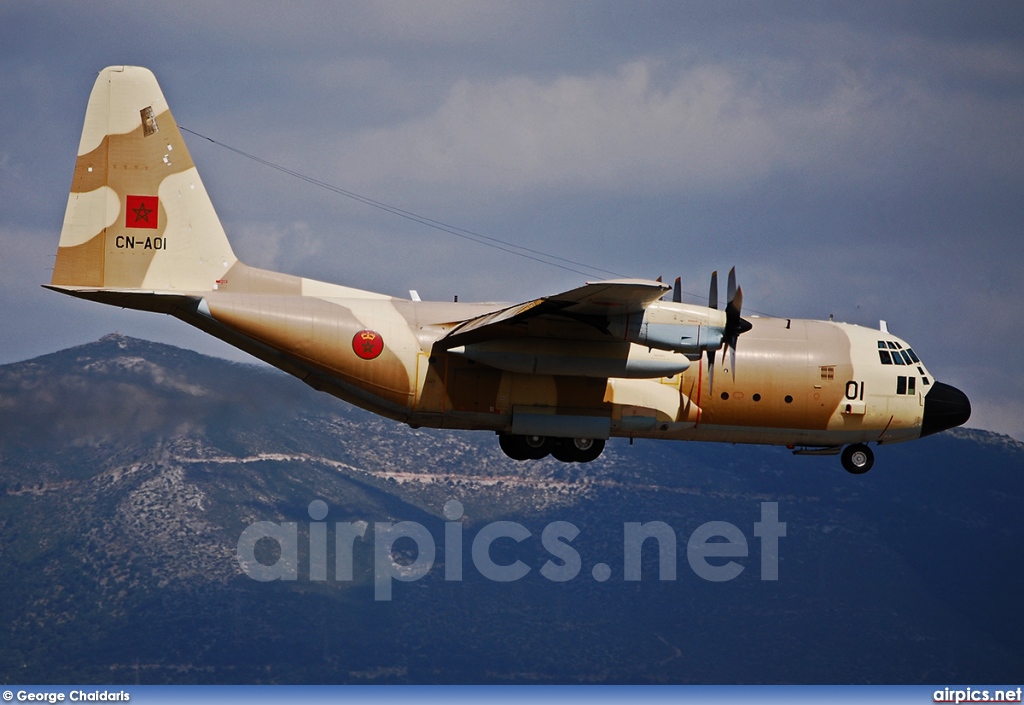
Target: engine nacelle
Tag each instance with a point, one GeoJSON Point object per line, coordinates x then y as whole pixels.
{"type": "Point", "coordinates": [677, 327]}
{"type": "Point", "coordinates": [578, 358]}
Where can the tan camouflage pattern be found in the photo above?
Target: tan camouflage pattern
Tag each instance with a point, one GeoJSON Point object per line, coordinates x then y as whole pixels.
{"type": "Point", "coordinates": [189, 250]}
{"type": "Point", "coordinates": [792, 383]}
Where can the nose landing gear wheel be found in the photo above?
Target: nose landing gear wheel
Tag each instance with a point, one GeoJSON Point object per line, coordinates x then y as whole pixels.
{"type": "Point", "coordinates": [858, 458]}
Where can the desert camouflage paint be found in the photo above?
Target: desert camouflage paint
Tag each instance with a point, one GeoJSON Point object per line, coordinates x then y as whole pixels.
{"type": "Point", "coordinates": [140, 232]}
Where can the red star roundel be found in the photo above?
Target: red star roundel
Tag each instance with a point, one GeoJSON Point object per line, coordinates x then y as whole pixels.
{"type": "Point", "coordinates": [141, 212]}
{"type": "Point", "coordinates": [367, 344]}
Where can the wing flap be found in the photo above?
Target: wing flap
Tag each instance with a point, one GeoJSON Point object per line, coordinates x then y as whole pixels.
{"type": "Point", "coordinates": [594, 301]}
{"type": "Point", "coordinates": [612, 297]}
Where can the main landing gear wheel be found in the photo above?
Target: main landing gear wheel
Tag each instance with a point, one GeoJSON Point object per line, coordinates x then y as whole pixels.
{"type": "Point", "coordinates": [537, 447]}
{"type": "Point", "coordinates": [524, 447]}
{"type": "Point", "coordinates": [858, 458]}
{"type": "Point", "coordinates": [568, 450]}
{"type": "Point", "coordinates": [577, 450]}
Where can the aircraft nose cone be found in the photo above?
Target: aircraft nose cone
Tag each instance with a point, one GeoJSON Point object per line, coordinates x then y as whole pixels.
{"type": "Point", "coordinates": [945, 406]}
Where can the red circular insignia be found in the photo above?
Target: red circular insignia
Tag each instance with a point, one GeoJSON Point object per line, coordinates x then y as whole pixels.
{"type": "Point", "coordinates": [367, 344]}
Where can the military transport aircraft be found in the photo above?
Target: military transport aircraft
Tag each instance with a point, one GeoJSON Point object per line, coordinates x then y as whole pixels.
{"type": "Point", "coordinates": [557, 375]}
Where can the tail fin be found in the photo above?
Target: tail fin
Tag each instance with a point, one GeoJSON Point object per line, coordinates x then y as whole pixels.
{"type": "Point", "coordinates": [138, 216]}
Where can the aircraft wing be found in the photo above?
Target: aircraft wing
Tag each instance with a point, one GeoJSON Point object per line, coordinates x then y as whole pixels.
{"type": "Point", "coordinates": [586, 307]}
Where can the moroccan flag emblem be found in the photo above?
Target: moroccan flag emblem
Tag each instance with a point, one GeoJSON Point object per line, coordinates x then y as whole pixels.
{"type": "Point", "coordinates": [367, 344]}
{"type": "Point", "coordinates": [141, 212]}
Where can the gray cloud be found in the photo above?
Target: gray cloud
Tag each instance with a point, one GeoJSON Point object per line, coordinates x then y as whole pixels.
{"type": "Point", "coordinates": [865, 161]}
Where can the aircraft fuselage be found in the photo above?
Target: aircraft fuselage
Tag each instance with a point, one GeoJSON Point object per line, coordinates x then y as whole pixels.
{"type": "Point", "coordinates": [797, 382]}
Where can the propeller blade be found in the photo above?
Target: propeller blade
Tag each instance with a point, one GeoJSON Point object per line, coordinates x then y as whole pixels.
{"type": "Point", "coordinates": [677, 291]}
{"type": "Point", "coordinates": [665, 297]}
{"type": "Point", "coordinates": [713, 291]}
{"type": "Point", "coordinates": [711, 371]}
{"type": "Point", "coordinates": [731, 287]}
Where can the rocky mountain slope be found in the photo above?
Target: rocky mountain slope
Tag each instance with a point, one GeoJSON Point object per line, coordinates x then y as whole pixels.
{"type": "Point", "coordinates": [129, 470]}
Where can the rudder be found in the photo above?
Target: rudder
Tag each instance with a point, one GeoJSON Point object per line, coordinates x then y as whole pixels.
{"type": "Point", "coordinates": [138, 216]}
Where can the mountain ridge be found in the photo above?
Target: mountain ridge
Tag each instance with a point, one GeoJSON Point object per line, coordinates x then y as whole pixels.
{"type": "Point", "coordinates": [129, 469]}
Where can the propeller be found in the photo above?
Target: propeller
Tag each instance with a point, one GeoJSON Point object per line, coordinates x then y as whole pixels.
{"type": "Point", "coordinates": [735, 326]}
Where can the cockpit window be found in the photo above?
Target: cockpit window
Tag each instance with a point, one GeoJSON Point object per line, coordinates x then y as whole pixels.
{"type": "Point", "coordinates": [892, 353]}
{"type": "Point", "coordinates": [906, 385]}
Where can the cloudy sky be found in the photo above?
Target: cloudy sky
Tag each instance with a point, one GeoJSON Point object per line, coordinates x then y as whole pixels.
{"type": "Point", "coordinates": [863, 160]}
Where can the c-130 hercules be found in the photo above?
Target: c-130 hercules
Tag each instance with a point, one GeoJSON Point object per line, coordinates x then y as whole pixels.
{"type": "Point", "coordinates": [557, 375]}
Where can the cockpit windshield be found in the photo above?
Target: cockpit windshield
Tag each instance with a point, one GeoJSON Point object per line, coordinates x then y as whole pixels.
{"type": "Point", "coordinates": [890, 352]}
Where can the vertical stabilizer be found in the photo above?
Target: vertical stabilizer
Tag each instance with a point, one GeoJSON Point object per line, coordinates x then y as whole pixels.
{"type": "Point", "coordinates": [138, 215]}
